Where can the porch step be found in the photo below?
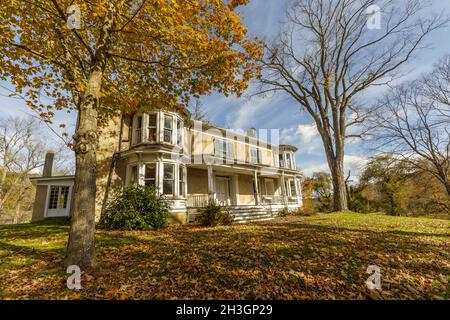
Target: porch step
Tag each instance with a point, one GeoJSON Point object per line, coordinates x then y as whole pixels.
{"type": "Point", "coordinates": [242, 214]}
{"type": "Point", "coordinates": [250, 214]}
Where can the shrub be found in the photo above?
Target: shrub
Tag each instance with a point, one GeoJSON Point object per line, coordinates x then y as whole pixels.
{"type": "Point", "coordinates": [305, 211]}
{"type": "Point", "coordinates": [213, 215]}
{"type": "Point", "coordinates": [136, 208]}
{"type": "Point", "coordinates": [284, 212]}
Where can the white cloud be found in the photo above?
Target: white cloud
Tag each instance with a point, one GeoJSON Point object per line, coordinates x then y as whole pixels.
{"type": "Point", "coordinates": [247, 114]}
{"type": "Point", "coordinates": [305, 137]}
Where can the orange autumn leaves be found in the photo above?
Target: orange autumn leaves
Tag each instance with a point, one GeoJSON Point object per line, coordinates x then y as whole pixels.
{"type": "Point", "coordinates": [162, 52]}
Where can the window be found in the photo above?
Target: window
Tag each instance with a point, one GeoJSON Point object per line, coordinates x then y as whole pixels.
{"type": "Point", "coordinates": [181, 182]}
{"type": "Point", "coordinates": [179, 132]}
{"type": "Point", "coordinates": [168, 128]}
{"type": "Point", "coordinates": [230, 150]}
{"type": "Point", "coordinates": [280, 157]}
{"type": "Point", "coordinates": [53, 200]}
{"type": "Point", "coordinates": [150, 175]}
{"type": "Point", "coordinates": [138, 130]}
{"type": "Point", "coordinates": [218, 148]}
{"type": "Point", "coordinates": [259, 156]}
{"type": "Point", "coordinates": [134, 175]}
{"type": "Point", "coordinates": [168, 179]}
{"type": "Point", "coordinates": [288, 160]}
{"type": "Point", "coordinates": [63, 196]}
{"type": "Point", "coordinates": [253, 155]}
{"type": "Point", "coordinates": [152, 127]}
{"type": "Point", "coordinates": [292, 185]}
{"type": "Point", "coordinates": [58, 197]}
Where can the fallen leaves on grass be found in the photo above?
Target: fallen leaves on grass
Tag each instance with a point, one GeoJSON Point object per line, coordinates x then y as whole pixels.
{"type": "Point", "coordinates": [320, 257]}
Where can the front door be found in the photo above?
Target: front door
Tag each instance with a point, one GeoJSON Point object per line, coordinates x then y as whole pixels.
{"type": "Point", "coordinates": [223, 190]}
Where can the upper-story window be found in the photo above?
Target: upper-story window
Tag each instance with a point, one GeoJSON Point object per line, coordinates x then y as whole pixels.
{"type": "Point", "coordinates": [218, 148]}
{"type": "Point", "coordinates": [152, 127]}
{"type": "Point", "coordinates": [157, 127]}
{"type": "Point", "coordinates": [138, 130]}
{"type": "Point", "coordinates": [280, 157]}
{"type": "Point", "coordinates": [179, 131]}
{"type": "Point", "coordinates": [288, 160]}
{"type": "Point", "coordinates": [230, 150]}
{"type": "Point", "coordinates": [168, 128]}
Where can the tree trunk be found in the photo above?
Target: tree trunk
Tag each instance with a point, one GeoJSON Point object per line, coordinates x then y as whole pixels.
{"type": "Point", "coordinates": [336, 166]}
{"type": "Point", "coordinates": [339, 189]}
{"type": "Point", "coordinates": [81, 246]}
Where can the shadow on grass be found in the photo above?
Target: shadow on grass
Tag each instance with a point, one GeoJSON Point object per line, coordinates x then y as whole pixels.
{"type": "Point", "coordinates": [279, 260]}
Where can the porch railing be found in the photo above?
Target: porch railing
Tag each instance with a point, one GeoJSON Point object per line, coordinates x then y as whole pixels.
{"type": "Point", "coordinates": [197, 201]}
{"type": "Point", "coordinates": [274, 199]}
{"type": "Point", "coordinates": [278, 199]}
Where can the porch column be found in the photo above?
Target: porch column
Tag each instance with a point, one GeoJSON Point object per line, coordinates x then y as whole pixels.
{"type": "Point", "coordinates": [211, 191]}
{"type": "Point", "coordinates": [257, 200]}
{"type": "Point", "coordinates": [283, 189]}
{"type": "Point", "coordinates": [159, 176]}
{"type": "Point", "coordinates": [297, 192]}
{"type": "Point", "coordinates": [185, 179]}
{"type": "Point", "coordinates": [300, 195]}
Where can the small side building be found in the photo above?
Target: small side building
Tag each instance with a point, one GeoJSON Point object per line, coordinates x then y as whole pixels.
{"type": "Point", "coordinates": [53, 193]}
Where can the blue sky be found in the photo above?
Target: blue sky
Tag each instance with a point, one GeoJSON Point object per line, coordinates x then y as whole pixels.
{"type": "Point", "coordinates": [263, 18]}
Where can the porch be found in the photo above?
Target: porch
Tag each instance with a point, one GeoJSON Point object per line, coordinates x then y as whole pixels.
{"type": "Point", "coordinates": [240, 187]}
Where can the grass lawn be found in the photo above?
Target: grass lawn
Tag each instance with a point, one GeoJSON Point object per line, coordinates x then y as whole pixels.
{"type": "Point", "coordinates": [319, 257]}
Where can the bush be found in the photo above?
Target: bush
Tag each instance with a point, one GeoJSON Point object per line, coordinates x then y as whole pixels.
{"type": "Point", "coordinates": [136, 208]}
{"type": "Point", "coordinates": [304, 211]}
{"type": "Point", "coordinates": [213, 215]}
{"type": "Point", "coordinates": [284, 212]}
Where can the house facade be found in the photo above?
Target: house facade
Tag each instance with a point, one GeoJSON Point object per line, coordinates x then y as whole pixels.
{"type": "Point", "coordinates": [189, 162]}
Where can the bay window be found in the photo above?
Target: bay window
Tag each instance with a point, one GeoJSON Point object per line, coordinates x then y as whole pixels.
{"type": "Point", "coordinates": [280, 157]}
{"type": "Point", "coordinates": [134, 178]}
{"type": "Point", "coordinates": [293, 188]}
{"type": "Point", "coordinates": [288, 160]}
{"type": "Point", "coordinates": [157, 127]}
{"type": "Point", "coordinates": [150, 175]}
{"type": "Point", "coordinates": [168, 128]}
{"type": "Point", "coordinates": [168, 179]}
{"type": "Point", "coordinates": [152, 127]}
{"type": "Point", "coordinates": [138, 130]}
{"type": "Point", "coordinates": [179, 131]}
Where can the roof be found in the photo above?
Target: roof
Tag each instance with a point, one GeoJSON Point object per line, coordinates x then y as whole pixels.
{"type": "Point", "coordinates": [288, 147]}
{"type": "Point", "coordinates": [53, 178]}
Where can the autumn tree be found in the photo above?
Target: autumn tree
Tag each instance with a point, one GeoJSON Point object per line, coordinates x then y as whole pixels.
{"type": "Point", "coordinates": [388, 174]}
{"type": "Point", "coordinates": [330, 52]}
{"type": "Point", "coordinates": [100, 57]}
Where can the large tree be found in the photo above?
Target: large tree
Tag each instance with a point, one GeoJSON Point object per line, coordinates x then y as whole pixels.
{"type": "Point", "coordinates": [412, 121]}
{"type": "Point", "coordinates": [331, 52]}
{"type": "Point", "coordinates": [98, 57]}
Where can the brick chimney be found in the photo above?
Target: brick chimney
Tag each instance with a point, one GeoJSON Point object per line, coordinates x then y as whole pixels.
{"type": "Point", "coordinates": [48, 164]}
